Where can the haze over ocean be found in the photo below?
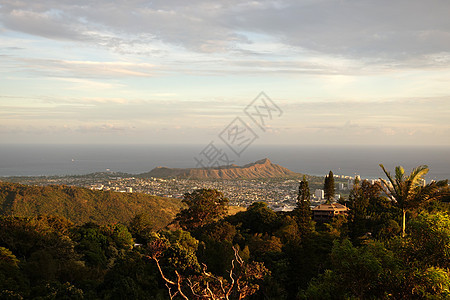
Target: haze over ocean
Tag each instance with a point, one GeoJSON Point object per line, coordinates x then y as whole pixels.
{"type": "Point", "coordinates": [24, 160]}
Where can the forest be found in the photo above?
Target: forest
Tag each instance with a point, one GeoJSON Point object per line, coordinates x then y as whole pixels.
{"type": "Point", "coordinates": [394, 243]}
{"type": "Point", "coordinates": [82, 205]}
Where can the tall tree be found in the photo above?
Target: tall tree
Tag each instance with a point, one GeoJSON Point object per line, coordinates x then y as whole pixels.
{"type": "Point", "coordinates": [204, 206]}
{"type": "Point", "coordinates": [370, 210]}
{"type": "Point", "coordinates": [304, 195]}
{"type": "Point", "coordinates": [408, 192]}
{"type": "Point", "coordinates": [303, 211]}
{"type": "Point", "coordinates": [328, 187]}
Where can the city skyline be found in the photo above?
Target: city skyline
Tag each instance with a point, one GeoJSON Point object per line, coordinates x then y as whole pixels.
{"type": "Point", "coordinates": [132, 72]}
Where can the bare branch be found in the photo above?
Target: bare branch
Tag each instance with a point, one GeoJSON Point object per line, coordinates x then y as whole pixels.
{"type": "Point", "coordinates": [179, 280]}
{"type": "Point", "coordinates": [161, 272]}
{"type": "Point", "coordinates": [238, 257]}
{"type": "Point", "coordinates": [230, 288]}
{"type": "Point", "coordinates": [170, 291]}
{"type": "Point", "coordinates": [210, 286]}
{"type": "Point", "coordinates": [210, 292]}
{"type": "Point", "coordinates": [169, 282]}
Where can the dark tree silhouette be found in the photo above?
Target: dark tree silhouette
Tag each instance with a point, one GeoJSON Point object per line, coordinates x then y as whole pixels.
{"type": "Point", "coordinates": [303, 212]}
{"type": "Point", "coordinates": [328, 187]}
{"type": "Point", "coordinates": [304, 194]}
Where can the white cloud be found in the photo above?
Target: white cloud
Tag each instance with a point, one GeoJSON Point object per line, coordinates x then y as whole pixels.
{"type": "Point", "coordinates": [382, 65]}
{"type": "Point", "coordinates": [83, 69]}
{"type": "Point", "coordinates": [375, 30]}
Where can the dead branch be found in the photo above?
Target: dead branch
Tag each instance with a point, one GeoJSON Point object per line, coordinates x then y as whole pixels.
{"type": "Point", "coordinates": [215, 287]}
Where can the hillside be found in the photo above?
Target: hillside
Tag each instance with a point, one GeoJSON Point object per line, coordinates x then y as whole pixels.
{"type": "Point", "coordinates": [82, 205]}
{"type": "Point", "coordinates": [260, 169]}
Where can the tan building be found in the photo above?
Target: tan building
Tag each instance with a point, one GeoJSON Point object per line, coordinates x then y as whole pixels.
{"type": "Point", "coordinates": [325, 212]}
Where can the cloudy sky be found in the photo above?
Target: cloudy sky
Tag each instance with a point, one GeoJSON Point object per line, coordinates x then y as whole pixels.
{"type": "Point", "coordinates": [149, 72]}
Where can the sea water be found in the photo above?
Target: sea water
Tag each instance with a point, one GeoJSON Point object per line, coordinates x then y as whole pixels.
{"type": "Point", "coordinates": [35, 160]}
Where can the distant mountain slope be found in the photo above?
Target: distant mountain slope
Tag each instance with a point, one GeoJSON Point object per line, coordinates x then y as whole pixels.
{"type": "Point", "coordinates": [260, 169]}
{"type": "Point", "coordinates": [82, 205]}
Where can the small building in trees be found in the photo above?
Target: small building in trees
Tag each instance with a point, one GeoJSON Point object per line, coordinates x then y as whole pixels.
{"type": "Point", "coordinates": [325, 212]}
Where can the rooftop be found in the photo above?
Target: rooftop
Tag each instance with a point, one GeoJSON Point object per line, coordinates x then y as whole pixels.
{"type": "Point", "coordinates": [330, 207]}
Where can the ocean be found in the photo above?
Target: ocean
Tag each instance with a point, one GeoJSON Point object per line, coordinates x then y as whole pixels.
{"type": "Point", "coordinates": [36, 160]}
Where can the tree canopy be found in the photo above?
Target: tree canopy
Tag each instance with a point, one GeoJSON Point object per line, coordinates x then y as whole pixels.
{"type": "Point", "coordinates": [204, 206]}
{"type": "Point", "coordinates": [258, 253]}
{"type": "Point", "coordinates": [81, 205]}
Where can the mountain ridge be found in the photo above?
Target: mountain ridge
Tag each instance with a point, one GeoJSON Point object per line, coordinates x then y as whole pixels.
{"type": "Point", "coordinates": [262, 168]}
{"type": "Point", "coordinates": [81, 205]}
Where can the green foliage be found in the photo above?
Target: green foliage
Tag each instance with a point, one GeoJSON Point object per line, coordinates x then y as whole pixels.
{"type": "Point", "coordinates": [304, 194]}
{"type": "Point", "coordinates": [81, 205]}
{"type": "Point", "coordinates": [244, 277]}
{"type": "Point", "coordinates": [338, 227]}
{"type": "Point", "coordinates": [406, 268]}
{"type": "Point", "coordinates": [57, 290]}
{"type": "Point", "coordinates": [132, 278]}
{"type": "Point", "coordinates": [7, 257]}
{"type": "Point", "coordinates": [433, 283]}
{"type": "Point", "coordinates": [204, 207]}
{"type": "Point", "coordinates": [180, 251]}
{"type": "Point", "coordinates": [356, 273]}
{"type": "Point", "coordinates": [11, 280]}
{"type": "Point", "coordinates": [302, 212]}
{"type": "Point", "coordinates": [289, 231]}
{"type": "Point", "coordinates": [216, 248]}
{"type": "Point", "coordinates": [428, 241]}
{"type": "Point", "coordinates": [92, 243]}
{"type": "Point", "coordinates": [270, 255]}
{"type": "Point", "coordinates": [307, 260]}
{"type": "Point", "coordinates": [141, 227]}
{"type": "Point", "coordinates": [121, 237]}
{"type": "Point", "coordinates": [261, 244]}
{"type": "Point", "coordinates": [257, 219]}
{"type": "Point", "coordinates": [409, 193]}
{"type": "Point", "coordinates": [371, 213]}
{"type": "Point", "coordinates": [102, 245]}
{"type": "Point", "coordinates": [357, 267]}
{"type": "Point", "coordinates": [45, 253]}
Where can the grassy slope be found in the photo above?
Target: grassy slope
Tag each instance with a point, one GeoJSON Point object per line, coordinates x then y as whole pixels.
{"type": "Point", "coordinates": [82, 205]}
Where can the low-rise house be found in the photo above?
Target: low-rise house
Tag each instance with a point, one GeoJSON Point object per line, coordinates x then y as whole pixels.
{"type": "Point", "coordinates": [325, 212]}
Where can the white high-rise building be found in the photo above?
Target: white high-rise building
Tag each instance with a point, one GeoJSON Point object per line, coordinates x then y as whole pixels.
{"type": "Point", "coordinates": [320, 194]}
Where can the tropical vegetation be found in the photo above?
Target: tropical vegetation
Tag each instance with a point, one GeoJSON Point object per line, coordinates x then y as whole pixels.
{"type": "Point", "coordinates": [254, 254]}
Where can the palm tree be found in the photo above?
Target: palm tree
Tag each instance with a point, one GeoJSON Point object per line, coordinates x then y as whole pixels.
{"type": "Point", "coordinates": [409, 192]}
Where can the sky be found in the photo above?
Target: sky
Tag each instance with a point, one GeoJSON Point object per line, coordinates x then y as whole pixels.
{"type": "Point", "coordinates": [177, 72]}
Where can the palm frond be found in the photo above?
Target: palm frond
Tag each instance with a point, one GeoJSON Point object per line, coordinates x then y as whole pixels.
{"type": "Point", "coordinates": [391, 187]}
{"type": "Point", "coordinates": [399, 179]}
{"type": "Point", "coordinates": [434, 191]}
{"type": "Point", "coordinates": [418, 174]}
{"type": "Point", "coordinates": [399, 173]}
{"type": "Point", "coordinates": [388, 189]}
